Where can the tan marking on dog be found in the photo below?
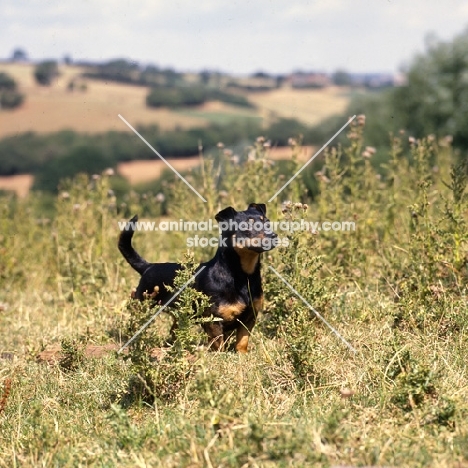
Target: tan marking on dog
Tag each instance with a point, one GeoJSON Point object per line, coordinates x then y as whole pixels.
{"type": "Point", "coordinates": [258, 304]}
{"type": "Point", "coordinates": [229, 312]}
{"type": "Point", "coordinates": [242, 339]}
{"type": "Point", "coordinates": [248, 259]}
{"type": "Point", "coordinates": [242, 344]}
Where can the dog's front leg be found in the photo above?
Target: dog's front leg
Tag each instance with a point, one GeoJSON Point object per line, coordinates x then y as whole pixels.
{"type": "Point", "coordinates": [244, 329]}
{"type": "Point", "coordinates": [215, 334]}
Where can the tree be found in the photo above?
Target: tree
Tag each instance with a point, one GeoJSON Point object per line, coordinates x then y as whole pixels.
{"type": "Point", "coordinates": [435, 99]}
{"type": "Point", "coordinates": [82, 159]}
{"type": "Point", "coordinates": [10, 97]}
{"type": "Point", "coordinates": [341, 78]}
{"type": "Point", "coordinates": [19, 55]}
{"type": "Point", "coordinates": [45, 72]}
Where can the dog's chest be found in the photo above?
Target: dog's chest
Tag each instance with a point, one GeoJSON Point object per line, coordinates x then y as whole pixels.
{"type": "Point", "coordinates": [230, 311]}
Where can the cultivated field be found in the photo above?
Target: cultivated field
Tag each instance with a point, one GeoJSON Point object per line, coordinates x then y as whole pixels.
{"type": "Point", "coordinates": [48, 109]}
{"type": "Point", "coordinates": [309, 106]}
{"type": "Point", "coordinates": [395, 289]}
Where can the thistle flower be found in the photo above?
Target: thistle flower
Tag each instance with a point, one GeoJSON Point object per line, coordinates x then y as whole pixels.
{"type": "Point", "coordinates": [160, 197]}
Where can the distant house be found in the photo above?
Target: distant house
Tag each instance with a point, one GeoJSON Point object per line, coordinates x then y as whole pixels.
{"type": "Point", "coordinates": [309, 80]}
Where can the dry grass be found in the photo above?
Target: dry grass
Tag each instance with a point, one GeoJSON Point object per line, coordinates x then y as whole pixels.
{"type": "Point", "coordinates": [49, 109]}
{"type": "Point", "coordinates": [395, 289]}
{"type": "Point", "coordinates": [309, 106]}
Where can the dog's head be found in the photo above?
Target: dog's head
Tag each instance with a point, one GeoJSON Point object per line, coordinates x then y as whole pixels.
{"type": "Point", "coordinates": [249, 229]}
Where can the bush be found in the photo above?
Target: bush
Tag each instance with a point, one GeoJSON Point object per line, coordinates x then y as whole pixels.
{"type": "Point", "coordinates": [9, 95]}
{"type": "Point", "coordinates": [85, 159]}
{"type": "Point", "coordinates": [45, 72]}
{"type": "Point", "coordinates": [175, 97]}
{"type": "Point", "coordinates": [170, 96]}
{"type": "Point", "coordinates": [7, 82]}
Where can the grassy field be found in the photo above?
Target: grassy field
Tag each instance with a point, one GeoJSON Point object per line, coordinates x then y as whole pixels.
{"type": "Point", "coordinates": [395, 289]}
{"type": "Point", "coordinates": [309, 106]}
{"type": "Point", "coordinates": [48, 109]}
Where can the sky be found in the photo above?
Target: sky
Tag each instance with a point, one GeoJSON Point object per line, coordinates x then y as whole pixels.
{"type": "Point", "coordinates": [237, 36]}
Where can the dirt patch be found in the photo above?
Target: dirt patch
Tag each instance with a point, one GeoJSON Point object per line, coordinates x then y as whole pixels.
{"type": "Point", "coordinates": [285, 152]}
{"type": "Point", "coordinates": [144, 171]}
{"type": "Point", "coordinates": [20, 184]}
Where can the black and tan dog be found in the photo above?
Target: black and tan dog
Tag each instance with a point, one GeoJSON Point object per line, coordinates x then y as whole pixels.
{"type": "Point", "coordinates": [231, 279]}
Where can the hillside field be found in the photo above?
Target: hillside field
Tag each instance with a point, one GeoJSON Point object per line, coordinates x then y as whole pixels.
{"type": "Point", "coordinates": [96, 109]}
{"type": "Point", "coordinates": [48, 109]}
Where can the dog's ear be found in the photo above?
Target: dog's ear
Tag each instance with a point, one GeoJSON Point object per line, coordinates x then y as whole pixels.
{"type": "Point", "coordinates": [259, 207]}
{"type": "Point", "coordinates": [226, 214]}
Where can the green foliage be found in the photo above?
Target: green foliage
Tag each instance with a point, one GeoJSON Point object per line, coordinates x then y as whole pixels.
{"type": "Point", "coordinates": [166, 378]}
{"type": "Point", "coordinates": [395, 288]}
{"type": "Point", "coordinates": [176, 97]}
{"type": "Point", "coordinates": [7, 82]}
{"type": "Point", "coordinates": [434, 99]}
{"type": "Point", "coordinates": [180, 96]}
{"type": "Point", "coordinates": [45, 72]}
{"type": "Point", "coordinates": [72, 354]}
{"type": "Point", "coordinates": [129, 71]}
{"type": "Point", "coordinates": [341, 78]}
{"type": "Point", "coordinates": [32, 153]}
{"type": "Point", "coordinates": [10, 98]}
{"type": "Point", "coordinates": [83, 159]}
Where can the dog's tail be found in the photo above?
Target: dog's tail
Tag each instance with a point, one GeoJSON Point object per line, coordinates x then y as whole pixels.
{"type": "Point", "coordinates": [125, 246]}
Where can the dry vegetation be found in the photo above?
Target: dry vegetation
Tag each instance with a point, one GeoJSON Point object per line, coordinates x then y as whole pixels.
{"type": "Point", "coordinates": [48, 109]}
{"type": "Point", "coordinates": [96, 109]}
{"type": "Point", "coordinates": [396, 288]}
{"type": "Point", "coordinates": [309, 106]}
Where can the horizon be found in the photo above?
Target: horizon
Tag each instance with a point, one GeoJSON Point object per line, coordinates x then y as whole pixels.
{"type": "Point", "coordinates": [364, 36]}
{"type": "Point", "coordinates": [85, 62]}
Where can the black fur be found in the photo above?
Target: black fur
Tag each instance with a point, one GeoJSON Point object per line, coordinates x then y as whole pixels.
{"type": "Point", "coordinates": [231, 279]}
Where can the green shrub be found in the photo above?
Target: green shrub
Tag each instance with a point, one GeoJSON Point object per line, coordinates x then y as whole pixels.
{"type": "Point", "coordinates": [83, 159]}
{"type": "Point", "coordinates": [10, 97]}
{"type": "Point", "coordinates": [45, 72]}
